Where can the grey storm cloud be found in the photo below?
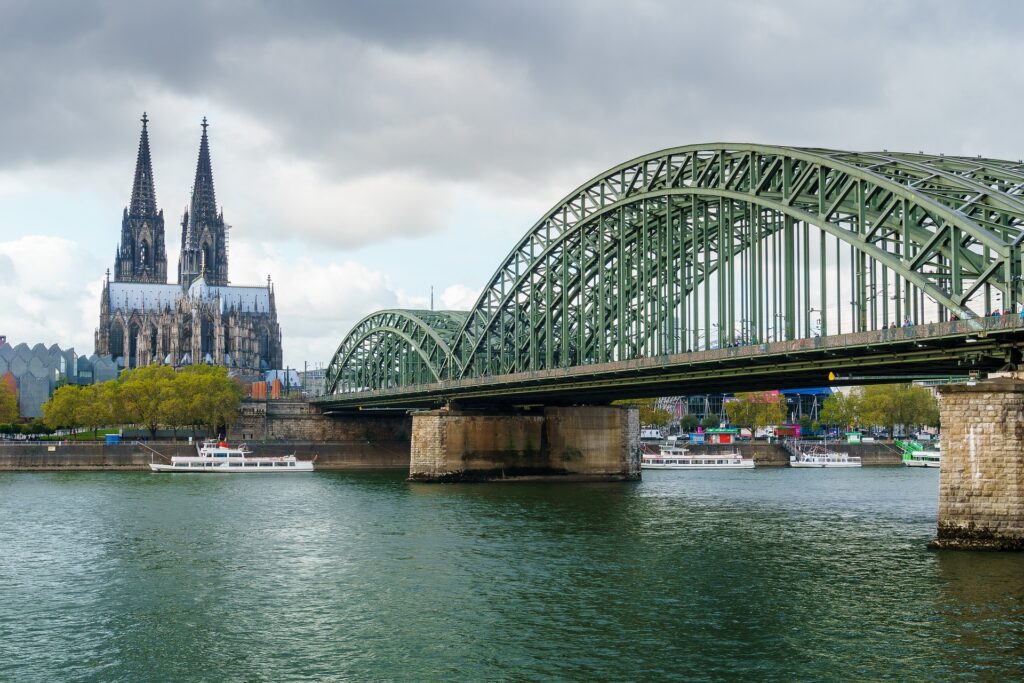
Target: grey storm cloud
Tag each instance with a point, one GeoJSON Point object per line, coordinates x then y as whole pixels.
{"type": "Point", "coordinates": [339, 124]}
{"type": "Point", "coordinates": [350, 83]}
{"type": "Point", "coordinates": [509, 96]}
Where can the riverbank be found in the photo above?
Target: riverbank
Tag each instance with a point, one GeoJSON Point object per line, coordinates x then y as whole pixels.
{"type": "Point", "coordinates": [332, 455]}
{"type": "Point", "coordinates": [774, 455]}
{"type": "Point", "coordinates": [85, 457]}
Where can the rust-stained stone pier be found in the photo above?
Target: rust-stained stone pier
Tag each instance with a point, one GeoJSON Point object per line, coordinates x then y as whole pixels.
{"type": "Point", "coordinates": [981, 490]}
{"type": "Point", "coordinates": [579, 443]}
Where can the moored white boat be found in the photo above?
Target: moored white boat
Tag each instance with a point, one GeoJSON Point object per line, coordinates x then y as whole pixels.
{"type": "Point", "coordinates": [219, 458]}
{"type": "Point", "coordinates": [677, 458]}
{"type": "Point", "coordinates": [922, 458]}
{"type": "Point", "coordinates": [819, 456]}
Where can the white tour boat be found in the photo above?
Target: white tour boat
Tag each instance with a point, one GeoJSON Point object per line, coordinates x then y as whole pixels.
{"type": "Point", "coordinates": [819, 456]}
{"type": "Point", "coordinates": [217, 457]}
{"type": "Point", "coordinates": [922, 458]}
{"type": "Point", "coordinates": [677, 458]}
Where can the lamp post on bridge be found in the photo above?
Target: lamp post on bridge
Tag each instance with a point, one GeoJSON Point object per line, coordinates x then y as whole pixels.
{"type": "Point", "coordinates": [818, 330]}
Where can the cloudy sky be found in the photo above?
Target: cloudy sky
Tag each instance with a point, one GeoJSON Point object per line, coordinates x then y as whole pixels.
{"type": "Point", "coordinates": [364, 152]}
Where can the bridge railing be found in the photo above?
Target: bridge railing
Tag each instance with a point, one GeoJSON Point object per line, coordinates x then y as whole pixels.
{"type": "Point", "coordinates": [971, 330]}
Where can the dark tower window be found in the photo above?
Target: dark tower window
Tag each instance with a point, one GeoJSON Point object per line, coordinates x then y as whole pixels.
{"type": "Point", "coordinates": [207, 338]}
{"type": "Point", "coordinates": [116, 340]}
{"type": "Point", "coordinates": [144, 255]}
{"type": "Point", "coordinates": [133, 341]}
{"type": "Point", "coordinates": [185, 339]}
{"type": "Point", "coordinates": [264, 342]}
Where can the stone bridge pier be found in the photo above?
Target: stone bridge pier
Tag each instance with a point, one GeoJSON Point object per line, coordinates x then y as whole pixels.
{"type": "Point", "coordinates": [981, 482]}
{"type": "Point", "coordinates": [595, 443]}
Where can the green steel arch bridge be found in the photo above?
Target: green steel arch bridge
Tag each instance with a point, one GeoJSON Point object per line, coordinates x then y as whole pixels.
{"type": "Point", "coordinates": [722, 267]}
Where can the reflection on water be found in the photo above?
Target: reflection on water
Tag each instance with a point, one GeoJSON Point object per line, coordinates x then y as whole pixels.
{"type": "Point", "coordinates": [975, 592]}
{"type": "Point", "coordinates": [767, 574]}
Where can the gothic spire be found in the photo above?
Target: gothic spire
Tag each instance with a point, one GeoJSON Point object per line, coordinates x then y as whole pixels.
{"type": "Point", "coordinates": [143, 204]}
{"type": "Point", "coordinates": [203, 208]}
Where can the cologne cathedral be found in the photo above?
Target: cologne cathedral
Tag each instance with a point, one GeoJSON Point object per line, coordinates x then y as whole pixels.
{"type": "Point", "coordinates": [201, 319]}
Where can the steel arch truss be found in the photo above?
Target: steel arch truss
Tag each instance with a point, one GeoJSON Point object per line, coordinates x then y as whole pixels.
{"type": "Point", "coordinates": [696, 247]}
{"type": "Point", "coordinates": [394, 348]}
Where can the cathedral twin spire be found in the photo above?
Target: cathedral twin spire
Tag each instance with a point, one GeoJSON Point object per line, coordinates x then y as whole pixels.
{"type": "Point", "coordinates": [203, 232]}
{"type": "Point", "coordinates": [143, 204]}
{"type": "Point", "coordinates": [141, 256]}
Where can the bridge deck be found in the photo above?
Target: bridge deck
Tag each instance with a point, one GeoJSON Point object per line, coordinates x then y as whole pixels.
{"type": "Point", "coordinates": [944, 348]}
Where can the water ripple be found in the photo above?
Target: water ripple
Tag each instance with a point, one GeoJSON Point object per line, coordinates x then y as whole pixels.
{"type": "Point", "coordinates": [767, 574]}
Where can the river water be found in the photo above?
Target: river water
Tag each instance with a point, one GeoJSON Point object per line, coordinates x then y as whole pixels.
{"type": "Point", "coordinates": [770, 574]}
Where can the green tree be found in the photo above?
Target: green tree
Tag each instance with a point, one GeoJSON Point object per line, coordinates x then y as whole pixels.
{"type": "Point", "coordinates": [841, 410]}
{"type": "Point", "coordinates": [213, 397]}
{"type": "Point", "coordinates": [806, 426]}
{"type": "Point", "coordinates": [8, 404]}
{"type": "Point", "coordinates": [892, 405]}
{"type": "Point", "coordinates": [97, 408]}
{"type": "Point", "coordinates": [35, 427]}
{"type": "Point", "coordinates": [688, 422]}
{"type": "Point", "coordinates": [711, 421]}
{"type": "Point", "coordinates": [139, 395]}
{"type": "Point", "coordinates": [176, 405]}
{"type": "Point", "coordinates": [650, 413]}
{"type": "Point", "coordinates": [756, 409]}
{"type": "Point", "coordinates": [64, 408]}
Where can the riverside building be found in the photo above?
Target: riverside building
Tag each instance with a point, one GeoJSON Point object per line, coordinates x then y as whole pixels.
{"type": "Point", "coordinates": [34, 372]}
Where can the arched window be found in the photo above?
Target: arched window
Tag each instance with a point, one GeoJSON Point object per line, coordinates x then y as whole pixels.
{"type": "Point", "coordinates": [207, 335]}
{"type": "Point", "coordinates": [185, 338]}
{"type": "Point", "coordinates": [116, 339]}
{"type": "Point", "coordinates": [264, 345]}
{"type": "Point", "coordinates": [133, 341]}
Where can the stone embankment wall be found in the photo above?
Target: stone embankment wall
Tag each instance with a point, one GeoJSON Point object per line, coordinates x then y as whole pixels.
{"type": "Point", "coordinates": [363, 454]}
{"type": "Point", "coordinates": [981, 481]}
{"type": "Point", "coordinates": [357, 441]}
{"type": "Point", "coordinates": [302, 421]}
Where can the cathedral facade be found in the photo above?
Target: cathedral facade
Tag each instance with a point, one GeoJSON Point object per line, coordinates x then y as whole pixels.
{"type": "Point", "coordinates": [202, 318]}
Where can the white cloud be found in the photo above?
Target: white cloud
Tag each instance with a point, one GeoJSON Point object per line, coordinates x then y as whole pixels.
{"type": "Point", "coordinates": [457, 297]}
{"type": "Point", "coordinates": [316, 209]}
{"type": "Point", "coordinates": [318, 303]}
{"type": "Point", "coordinates": [49, 293]}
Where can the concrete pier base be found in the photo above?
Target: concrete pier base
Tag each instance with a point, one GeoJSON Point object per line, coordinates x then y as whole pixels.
{"type": "Point", "coordinates": [981, 482]}
{"type": "Point", "coordinates": [578, 443]}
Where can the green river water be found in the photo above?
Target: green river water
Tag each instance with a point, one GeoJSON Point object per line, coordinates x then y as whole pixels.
{"type": "Point", "coordinates": [769, 574]}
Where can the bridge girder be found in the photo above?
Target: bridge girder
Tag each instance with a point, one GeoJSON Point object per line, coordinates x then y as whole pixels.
{"type": "Point", "coordinates": [710, 245]}
{"type": "Point", "coordinates": [390, 347]}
